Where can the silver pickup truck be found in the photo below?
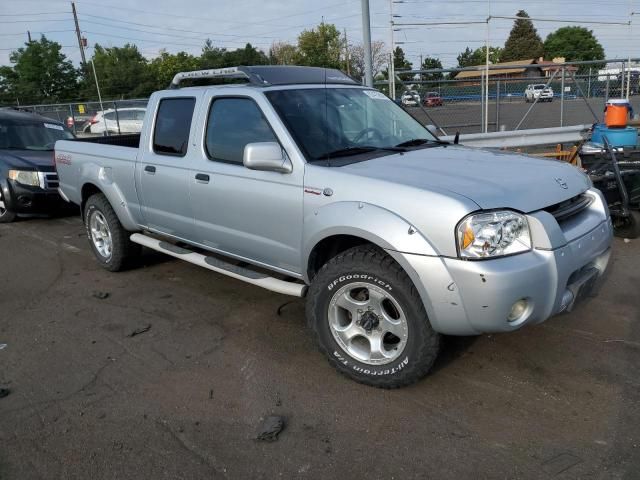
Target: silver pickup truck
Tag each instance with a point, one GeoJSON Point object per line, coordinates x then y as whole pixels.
{"type": "Point", "coordinates": [303, 182]}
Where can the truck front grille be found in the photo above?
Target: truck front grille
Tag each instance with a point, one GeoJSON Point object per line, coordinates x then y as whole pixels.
{"type": "Point", "coordinates": [567, 209]}
{"type": "Point", "coordinates": [49, 180]}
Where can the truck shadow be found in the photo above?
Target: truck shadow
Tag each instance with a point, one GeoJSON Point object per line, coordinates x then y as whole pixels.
{"type": "Point", "coordinates": [451, 349]}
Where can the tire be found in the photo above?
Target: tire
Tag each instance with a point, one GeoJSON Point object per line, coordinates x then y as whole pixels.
{"type": "Point", "coordinates": [628, 227]}
{"type": "Point", "coordinates": [107, 237]}
{"type": "Point", "coordinates": [360, 279]}
{"type": "Point", "coordinates": [6, 215]}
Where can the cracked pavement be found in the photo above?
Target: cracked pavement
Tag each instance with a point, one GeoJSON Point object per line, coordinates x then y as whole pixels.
{"type": "Point", "coordinates": [183, 399]}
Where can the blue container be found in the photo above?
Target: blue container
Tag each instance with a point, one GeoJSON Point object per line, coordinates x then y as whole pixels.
{"type": "Point", "coordinates": [618, 137]}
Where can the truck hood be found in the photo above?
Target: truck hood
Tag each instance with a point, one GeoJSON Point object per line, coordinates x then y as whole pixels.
{"type": "Point", "coordinates": [28, 159]}
{"type": "Point", "coordinates": [490, 178]}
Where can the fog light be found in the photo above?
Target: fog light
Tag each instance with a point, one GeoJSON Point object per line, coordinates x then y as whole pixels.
{"type": "Point", "coordinates": [518, 309]}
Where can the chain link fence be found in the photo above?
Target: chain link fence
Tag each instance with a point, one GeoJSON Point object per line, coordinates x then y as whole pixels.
{"type": "Point", "coordinates": [94, 118]}
{"type": "Point", "coordinates": [455, 100]}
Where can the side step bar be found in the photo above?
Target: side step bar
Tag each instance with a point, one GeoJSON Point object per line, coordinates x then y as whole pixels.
{"type": "Point", "coordinates": [212, 263]}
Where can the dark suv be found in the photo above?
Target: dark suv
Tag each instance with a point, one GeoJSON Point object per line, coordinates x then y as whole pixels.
{"type": "Point", "coordinates": [28, 178]}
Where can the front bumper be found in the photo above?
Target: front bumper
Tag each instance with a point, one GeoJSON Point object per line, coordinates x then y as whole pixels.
{"type": "Point", "coordinates": [464, 297]}
{"type": "Point", "coordinates": [24, 199]}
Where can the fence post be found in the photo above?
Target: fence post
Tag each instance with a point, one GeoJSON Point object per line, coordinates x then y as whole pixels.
{"type": "Point", "coordinates": [562, 100]}
{"type": "Point", "coordinates": [497, 105]}
{"type": "Point", "coordinates": [73, 118]}
{"type": "Point", "coordinates": [589, 86]}
{"type": "Point", "coordinates": [482, 100]}
{"type": "Point", "coordinates": [606, 97]}
{"type": "Point", "coordinates": [115, 107]}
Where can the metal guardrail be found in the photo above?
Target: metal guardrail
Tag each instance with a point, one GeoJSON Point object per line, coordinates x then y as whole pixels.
{"type": "Point", "coordinates": [523, 138]}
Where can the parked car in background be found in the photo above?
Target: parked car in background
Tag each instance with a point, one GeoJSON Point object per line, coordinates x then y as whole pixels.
{"type": "Point", "coordinates": [28, 178]}
{"type": "Point", "coordinates": [410, 98]}
{"type": "Point", "coordinates": [122, 120]}
{"type": "Point", "coordinates": [306, 183]}
{"type": "Point", "coordinates": [432, 99]}
{"type": "Point", "coordinates": [538, 91]}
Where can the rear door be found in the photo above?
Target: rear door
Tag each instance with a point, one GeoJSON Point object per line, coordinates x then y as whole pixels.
{"type": "Point", "coordinates": [250, 214]}
{"type": "Point", "coordinates": [164, 169]}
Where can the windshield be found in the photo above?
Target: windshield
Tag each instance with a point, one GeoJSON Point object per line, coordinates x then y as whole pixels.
{"type": "Point", "coordinates": [332, 122]}
{"type": "Point", "coordinates": [538, 87]}
{"type": "Point", "coordinates": [21, 135]}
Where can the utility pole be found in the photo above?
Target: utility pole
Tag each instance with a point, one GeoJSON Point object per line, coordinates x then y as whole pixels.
{"type": "Point", "coordinates": [366, 43]}
{"type": "Point", "coordinates": [392, 67]}
{"type": "Point", "coordinates": [346, 52]}
{"type": "Point", "coordinates": [420, 77]}
{"type": "Point", "coordinates": [29, 36]}
{"type": "Point", "coordinates": [80, 44]}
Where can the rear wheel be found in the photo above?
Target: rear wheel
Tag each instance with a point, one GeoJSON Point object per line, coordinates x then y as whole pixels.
{"type": "Point", "coordinates": [108, 238]}
{"type": "Point", "coordinates": [369, 320]}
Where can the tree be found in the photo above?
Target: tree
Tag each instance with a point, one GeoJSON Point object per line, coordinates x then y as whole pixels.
{"type": "Point", "coordinates": [249, 55]}
{"type": "Point", "coordinates": [523, 42]}
{"type": "Point", "coordinates": [356, 58]}
{"type": "Point", "coordinates": [122, 73]}
{"type": "Point", "coordinates": [283, 53]}
{"type": "Point", "coordinates": [166, 65]}
{"type": "Point", "coordinates": [465, 59]}
{"type": "Point", "coordinates": [472, 58]}
{"type": "Point", "coordinates": [212, 56]}
{"type": "Point", "coordinates": [574, 44]}
{"type": "Point", "coordinates": [431, 63]}
{"type": "Point", "coordinates": [320, 47]}
{"type": "Point", "coordinates": [41, 73]}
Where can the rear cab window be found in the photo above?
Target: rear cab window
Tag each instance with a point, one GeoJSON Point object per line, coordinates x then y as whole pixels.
{"type": "Point", "coordinates": [172, 127]}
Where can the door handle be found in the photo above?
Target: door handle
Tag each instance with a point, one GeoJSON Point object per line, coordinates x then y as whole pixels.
{"type": "Point", "coordinates": [150, 169]}
{"type": "Point", "coordinates": [202, 178]}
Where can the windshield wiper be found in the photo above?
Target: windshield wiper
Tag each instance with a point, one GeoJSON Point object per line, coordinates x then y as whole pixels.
{"type": "Point", "coordinates": [415, 142]}
{"type": "Point", "coordinates": [355, 150]}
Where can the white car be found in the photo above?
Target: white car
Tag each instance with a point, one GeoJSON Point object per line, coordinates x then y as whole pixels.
{"type": "Point", "coordinates": [538, 91]}
{"type": "Point", "coordinates": [410, 98]}
{"type": "Point", "coordinates": [124, 120]}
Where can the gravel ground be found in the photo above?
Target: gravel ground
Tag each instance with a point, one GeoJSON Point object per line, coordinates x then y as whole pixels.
{"type": "Point", "coordinates": [183, 399]}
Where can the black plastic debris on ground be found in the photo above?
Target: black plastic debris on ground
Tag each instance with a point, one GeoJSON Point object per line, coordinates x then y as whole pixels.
{"type": "Point", "coordinates": [101, 295]}
{"type": "Point", "coordinates": [140, 330]}
{"type": "Point", "coordinates": [4, 392]}
{"type": "Point", "coordinates": [270, 428]}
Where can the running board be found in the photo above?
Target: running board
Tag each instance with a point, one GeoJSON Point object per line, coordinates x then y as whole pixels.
{"type": "Point", "coordinates": [213, 263]}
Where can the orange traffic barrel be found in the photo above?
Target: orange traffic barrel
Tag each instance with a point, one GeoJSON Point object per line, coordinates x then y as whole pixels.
{"type": "Point", "coordinates": [616, 112]}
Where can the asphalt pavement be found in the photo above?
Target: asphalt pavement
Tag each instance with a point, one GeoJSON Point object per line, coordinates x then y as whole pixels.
{"type": "Point", "coordinates": [166, 370]}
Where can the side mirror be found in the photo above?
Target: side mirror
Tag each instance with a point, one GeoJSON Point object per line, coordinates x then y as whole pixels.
{"type": "Point", "coordinates": [266, 156]}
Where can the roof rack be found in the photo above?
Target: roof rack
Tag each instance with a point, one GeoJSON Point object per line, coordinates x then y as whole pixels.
{"type": "Point", "coordinates": [265, 75]}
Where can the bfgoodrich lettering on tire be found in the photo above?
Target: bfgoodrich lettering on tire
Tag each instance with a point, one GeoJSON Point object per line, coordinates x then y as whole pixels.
{"type": "Point", "coordinates": [370, 321]}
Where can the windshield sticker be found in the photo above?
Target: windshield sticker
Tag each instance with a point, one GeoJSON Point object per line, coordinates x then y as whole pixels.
{"type": "Point", "coordinates": [53, 126]}
{"type": "Point", "coordinates": [376, 95]}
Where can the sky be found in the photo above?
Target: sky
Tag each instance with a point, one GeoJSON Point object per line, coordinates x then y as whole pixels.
{"type": "Point", "coordinates": [184, 25]}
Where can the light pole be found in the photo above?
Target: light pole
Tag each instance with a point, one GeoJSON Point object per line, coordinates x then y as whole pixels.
{"type": "Point", "coordinates": [366, 40]}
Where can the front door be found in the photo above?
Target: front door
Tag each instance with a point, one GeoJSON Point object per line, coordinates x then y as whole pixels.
{"type": "Point", "coordinates": [250, 214]}
{"type": "Point", "coordinates": [164, 171]}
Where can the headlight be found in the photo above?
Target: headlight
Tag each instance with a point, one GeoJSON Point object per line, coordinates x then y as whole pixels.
{"type": "Point", "coordinates": [493, 234]}
{"type": "Point", "coordinates": [25, 177]}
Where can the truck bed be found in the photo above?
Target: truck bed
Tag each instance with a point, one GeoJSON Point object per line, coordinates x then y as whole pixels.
{"type": "Point", "coordinates": [132, 140]}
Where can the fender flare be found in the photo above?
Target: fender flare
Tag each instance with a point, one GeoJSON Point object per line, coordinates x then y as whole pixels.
{"type": "Point", "coordinates": [375, 224]}
{"type": "Point", "coordinates": [102, 179]}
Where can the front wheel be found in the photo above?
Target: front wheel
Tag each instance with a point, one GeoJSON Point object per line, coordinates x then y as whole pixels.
{"type": "Point", "coordinates": [6, 215]}
{"type": "Point", "coordinates": [369, 320]}
{"type": "Point", "coordinates": [107, 237]}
